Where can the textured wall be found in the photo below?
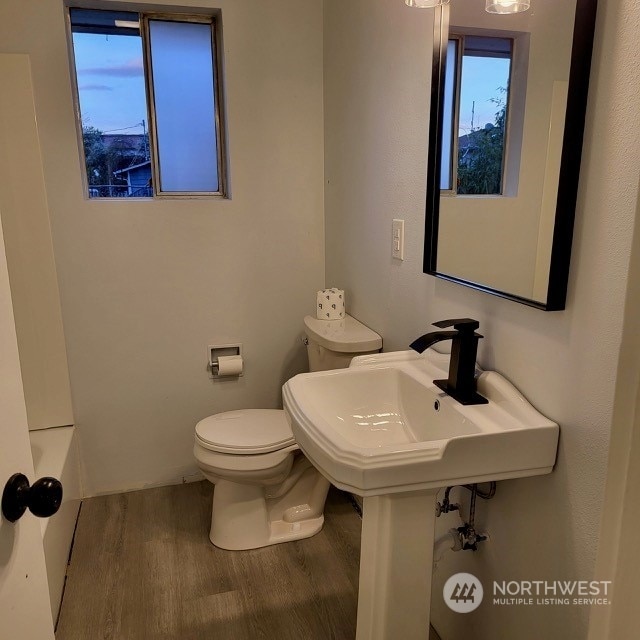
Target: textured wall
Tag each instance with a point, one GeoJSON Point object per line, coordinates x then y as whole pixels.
{"type": "Point", "coordinates": [377, 57]}
{"type": "Point", "coordinates": [146, 286]}
{"type": "Point", "coordinates": [618, 553]}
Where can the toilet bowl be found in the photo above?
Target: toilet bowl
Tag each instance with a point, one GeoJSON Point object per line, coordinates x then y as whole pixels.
{"type": "Point", "coordinates": [265, 490]}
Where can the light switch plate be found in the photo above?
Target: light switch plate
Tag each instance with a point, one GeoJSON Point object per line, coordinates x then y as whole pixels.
{"type": "Point", "coordinates": [397, 239]}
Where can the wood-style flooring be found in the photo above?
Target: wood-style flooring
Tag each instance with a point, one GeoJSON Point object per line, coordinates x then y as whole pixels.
{"type": "Point", "coordinates": [142, 567]}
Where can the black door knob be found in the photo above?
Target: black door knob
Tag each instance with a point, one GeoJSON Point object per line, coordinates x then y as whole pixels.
{"type": "Point", "coordinates": [43, 498]}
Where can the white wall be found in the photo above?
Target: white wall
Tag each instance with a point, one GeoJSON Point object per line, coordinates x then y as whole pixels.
{"type": "Point", "coordinates": [618, 553]}
{"type": "Point", "coordinates": [146, 286]}
{"type": "Point", "coordinates": [32, 269]}
{"type": "Point", "coordinates": [377, 56]}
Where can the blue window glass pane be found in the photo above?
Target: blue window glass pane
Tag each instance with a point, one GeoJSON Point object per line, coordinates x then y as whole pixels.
{"type": "Point", "coordinates": [183, 86]}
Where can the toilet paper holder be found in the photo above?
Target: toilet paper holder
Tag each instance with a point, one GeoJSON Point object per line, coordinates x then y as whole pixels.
{"type": "Point", "coordinates": [218, 351]}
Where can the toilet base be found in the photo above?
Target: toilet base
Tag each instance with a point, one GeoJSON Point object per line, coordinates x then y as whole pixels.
{"type": "Point", "coordinates": [276, 533]}
{"type": "Point", "coordinates": [245, 517]}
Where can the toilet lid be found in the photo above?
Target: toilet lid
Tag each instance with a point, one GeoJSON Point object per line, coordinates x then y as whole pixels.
{"type": "Point", "coordinates": [245, 432]}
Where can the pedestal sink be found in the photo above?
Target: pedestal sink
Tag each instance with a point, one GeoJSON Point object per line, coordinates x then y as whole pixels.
{"type": "Point", "coordinates": [382, 430]}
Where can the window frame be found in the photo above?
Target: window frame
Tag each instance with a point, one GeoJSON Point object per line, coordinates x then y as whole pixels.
{"type": "Point", "coordinates": [144, 16]}
{"type": "Point", "coordinates": [455, 114]}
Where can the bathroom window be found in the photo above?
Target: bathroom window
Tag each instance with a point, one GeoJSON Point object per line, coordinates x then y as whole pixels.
{"type": "Point", "coordinates": [476, 108]}
{"type": "Point", "coordinates": [149, 97]}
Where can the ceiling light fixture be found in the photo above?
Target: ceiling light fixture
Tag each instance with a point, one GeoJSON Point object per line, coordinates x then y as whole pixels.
{"type": "Point", "coordinates": [425, 4]}
{"type": "Point", "coordinates": [507, 6]}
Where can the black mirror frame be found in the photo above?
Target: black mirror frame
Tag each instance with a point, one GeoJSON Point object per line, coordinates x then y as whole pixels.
{"type": "Point", "coordinates": [580, 70]}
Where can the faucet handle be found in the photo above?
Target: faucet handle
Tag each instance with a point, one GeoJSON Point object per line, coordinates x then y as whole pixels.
{"type": "Point", "coordinates": [461, 324]}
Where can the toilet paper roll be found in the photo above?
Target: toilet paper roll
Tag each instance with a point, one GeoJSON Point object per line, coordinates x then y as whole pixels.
{"type": "Point", "coordinates": [330, 304]}
{"type": "Point", "coordinates": [230, 366]}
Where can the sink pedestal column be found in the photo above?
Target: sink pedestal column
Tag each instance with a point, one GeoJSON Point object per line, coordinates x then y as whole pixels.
{"type": "Point", "coordinates": [396, 563]}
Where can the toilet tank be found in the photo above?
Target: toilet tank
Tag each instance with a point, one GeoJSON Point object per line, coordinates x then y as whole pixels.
{"type": "Point", "coordinates": [333, 343]}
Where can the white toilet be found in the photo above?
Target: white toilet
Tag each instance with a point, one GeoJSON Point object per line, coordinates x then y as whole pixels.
{"type": "Point", "coordinates": [266, 491]}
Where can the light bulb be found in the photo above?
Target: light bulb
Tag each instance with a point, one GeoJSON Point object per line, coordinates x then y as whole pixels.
{"type": "Point", "coordinates": [507, 6]}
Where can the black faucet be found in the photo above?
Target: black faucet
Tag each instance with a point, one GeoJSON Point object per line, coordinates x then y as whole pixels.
{"type": "Point", "coordinates": [461, 383]}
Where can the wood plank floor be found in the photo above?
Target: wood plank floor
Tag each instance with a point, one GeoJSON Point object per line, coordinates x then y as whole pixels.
{"type": "Point", "coordinates": [143, 568]}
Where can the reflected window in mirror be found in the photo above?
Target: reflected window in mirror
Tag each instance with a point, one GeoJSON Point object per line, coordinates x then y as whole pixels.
{"type": "Point", "coordinates": [502, 185]}
{"type": "Point", "coordinates": [475, 114]}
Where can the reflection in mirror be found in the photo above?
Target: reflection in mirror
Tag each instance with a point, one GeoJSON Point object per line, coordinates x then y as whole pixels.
{"type": "Point", "coordinates": [508, 115]}
{"type": "Point", "coordinates": [476, 90]}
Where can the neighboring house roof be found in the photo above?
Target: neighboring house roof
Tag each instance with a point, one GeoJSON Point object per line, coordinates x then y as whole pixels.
{"type": "Point", "coordinates": [469, 139]}
{"type": "Point", "coordinates": [130, 142]}
{"type": "Point", "coordinates": [135, 166]}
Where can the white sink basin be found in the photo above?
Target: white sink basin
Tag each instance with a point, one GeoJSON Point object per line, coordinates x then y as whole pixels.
{"type": "Point", "coordinates": [382, 427]}
{"type": "Point", "coordinates": [383, 430]}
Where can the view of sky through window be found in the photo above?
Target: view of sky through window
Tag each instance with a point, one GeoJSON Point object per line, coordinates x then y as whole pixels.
{"type": "Point", "coordinates": [482, 80]}
{"type": "Point", "coordinates": [111, 85]}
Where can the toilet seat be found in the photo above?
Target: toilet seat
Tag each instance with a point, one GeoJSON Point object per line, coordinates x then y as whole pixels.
{"type": "Point", "coordinates": [245, 432]}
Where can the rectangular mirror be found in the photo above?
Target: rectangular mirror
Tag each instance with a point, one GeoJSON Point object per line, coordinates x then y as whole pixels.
{"type": "Point", "coordinates": [508, 102]}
